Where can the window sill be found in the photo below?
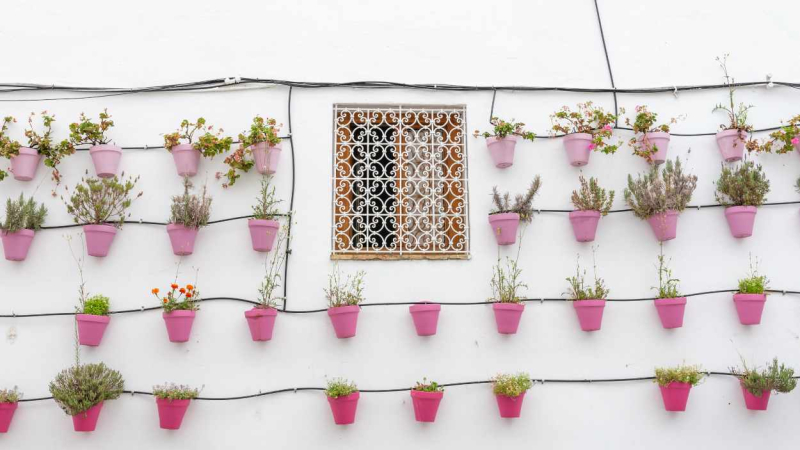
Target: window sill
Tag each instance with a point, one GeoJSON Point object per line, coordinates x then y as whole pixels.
{"type": "Point", "coordinates": [398, 256]}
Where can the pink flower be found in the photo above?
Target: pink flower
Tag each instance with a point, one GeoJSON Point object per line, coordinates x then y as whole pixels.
{"type": "Point", "coordinates": [592, 146]}
{"type": "Point", "coordinates": [795, 140]}
{"type": "Point", "coordinates": [607, 127]}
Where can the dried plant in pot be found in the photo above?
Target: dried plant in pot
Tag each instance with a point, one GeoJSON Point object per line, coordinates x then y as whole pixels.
{"type": "Point", "coordinates": [173, 400]}
{"type": "Point", "coordinates": [179, 306]}
{"type": "Point", "coordinates": [342, 398]}
{"type": "Point", "coordinates": [9, 400]}
{"type": "Point", "coordinates": [105, 156]}
{"type": "Point", "coordinates": [675, 384]}
{"type": "Point", "coordinates": [259, 147]}
{"type": "Point", "coordinates": [588, 128]}
{"type": "Point", "coordinates": [186, 150]}
{"type": "Point", "coordinates": [670, 304]}
{"type": "Point", "coordinates": [264, 225]}
{"type": "Point", "coordinates": [650, 140]}
{"type": "Point", "coordinates": [23, 219]}
{"type": "Point", "coordinates": [261, 318]}
{"type": "Point", "coordinates": [509, 391]}
{"type": "Point", "coordinates": [344, 296]}
{"type": "Point", "coordinates": [757, 385]}
{"type": "Point", "coordinates": [752, 296]}
{"type": "Point", "coordinates": [502, 141]}
{"type": "Point", "coordinates": [591, 202]}
{"type": "Point", "coordinates": [25, 159]}
{"type": "Point", "coordinates": [81, 390]}
{"type": "Point", "coordinates": [506, 301]}
{"type": "Point", "coordinates": [741, 190]}
{"type": "Point", "coordinates": [188, 213]}
{"type": "Point", "coordinates": [505, 216]}
{"type": "Point", "coordinates": [588, 301]}
{"type": "Point", "coordinates": [426, 398]}
{"type": "Point", "coordinates": [732, 140]}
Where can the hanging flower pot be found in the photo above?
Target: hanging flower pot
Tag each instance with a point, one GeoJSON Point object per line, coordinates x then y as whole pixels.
{"type": "Point", "coordinates": [171, 412]}
{"type": "Point", "coordinates": [24, 165]}
{"type": "Point", "coordinates": [17, 244]}
{"type": "Point", "coordinates": [344, 408]}
{"type": "Point", "coordinates": [579, 148]}
{"type": "Point", "coordinates": [507, 316]}
{"type": "Point", "coordinates": [584, 224]}
{"type": "Point", "coordinates": [675, 395]}
{"type": "Point", "coordinates": [664, 225]}
{"type": "Point", "coordinates": [179, 324]}
{"type": "Point", "coordinates": [756, 402]}
{"type": "Point", "coordinates": [87, 420]}
{"type": "Point", "coordinates": [510, 407]}
{"type": "Point", "coordinates": [182, 238]}
{"type": "Point", "coordinates": [504, 226]}
{"type": "Point", "coordinates": [426, 405]}
{"type": "Point", "coordinates": [344, 320]}
{"type": "Point", "coordinates": [106, 159]}
{"type": "Point", "coordinates": [91, 328]}
{"type": "Point", "coordinates": [266, 157]}
{"type": "Point", "coordinates": [187, 159]}
{"type": "Point", "coordinates": [670, 311]}
{"type": "Point", "coordinates": [261, 322]}
{"type": "Point", "coordinates": [426, 318]}
{"type": "Point", "coordinates": [99, 239]}
{"type": "Point", "coordinates": [262, 233]}
{"type": "Point", "coordinates": [749, 307]}
{"type": "Point", "coordinates": [509, 391]}
{"type": "Point", "coordinates": [659, 141]}
{"type": "Point", "coordinates": [741, 220]}
{"type": "Point", "coordinates": [591, 202]}
{"type": "Point", "coordinates": [590, 313]}
{"type": "Point", "coordinates": [6, 414]}
{"type": "Point", "coordinates": [502, 150]}
{"type": "Point", "coordinates": [731, 144]}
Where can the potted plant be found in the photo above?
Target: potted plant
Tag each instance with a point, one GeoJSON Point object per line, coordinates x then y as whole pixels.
{"type": "Point", "coordinates": [505, 217]}
{"type": "Point", "coordinates": [675, 384]}
{"type": "Point", "coordinates": [509, 390]}
{"type": "Point", "coordinates": [786, 139]}
{"type": "Point", "coordinates": [741, 190]}
{"type": "Point", "coordinates": [426, 398]}
{"type": "Point", "coordinates": [590, 202]}
{"type": "Point", "coordinates": [105, 156]}
{"type": "Point", "coordinates": [426, 317]}
{"type": "Point", "coordinates": [187, 214]}
{"type": "Point", "coordinates": [650, 141]}
{"type": "Point", "coordinates": [25, 160]}
{"type": "Point", "coordinates": [179, 307]}
{"type": "Point", "coordinates": [343, 300]}
{"type": "Point", "coordinates": [173, 401]}
{"type": "Point", "coordinates": [264, 224]}
{"type": "Point", "coordinates": [259, 147]}
{"type": "Point", "coordinates": [507, 304]}
{"type": "Point", "coordinates": [343, 399]}
{"type": "Point", "coordinates": [92, 320]}
{"type": "Point", "coordinates": [9, 399]}
{"type": "Point", "coordinates": [95, 203]}
{"type": "Point", "coordinates": [23, 219]}
{"type": "Point", "coordinates": [669, 302]}
{"type": "Point", "coordinates": [731, 140]}
{"type": "Point", "coordinates": [81, 390]}
{"type": "Point", "coordinates": [261, 318]}
{"type": "Point", "coordinates": [587, 128]}
{"type": "Point", "coordinates": [187, 153]}
{"type": "Point", "coordinates": [589, 302]}
{"type": "Point", "coordinates": [659, 196]}
{"type": "Point", "coordinates": [758, 385]}
{"type": "Point", "coordinates": [503, 140]}
{"type": "Point", "coordinates": [751, 297]}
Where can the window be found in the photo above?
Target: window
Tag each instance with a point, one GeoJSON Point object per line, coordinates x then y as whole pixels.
{"type": "Point", "coordinates": [400, 182]}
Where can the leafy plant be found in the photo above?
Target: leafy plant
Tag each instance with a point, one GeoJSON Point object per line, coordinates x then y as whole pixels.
{"type": "Point", "coordinates": [23, 214]}
{"type": "Point", "coordinates": [591, 197]}
{"type": "Point", "coordinates": [8, 147]}
{"type": "Point", "coordinates": [506, 282]}
{"type": "Point", "coordinates": [753, 283]}
{"type": "Point", "coordinates": [772, 378]}
{"type": "Point", "coordinates": [786, 139]}
{"type": "Point", "coordinates": [190, 210]}
{"type": "Point", "coordinates": [503, 129]}
{"type": "Point", "coordinates": [523, 204]}
{"type": "Point", "coordinates": [209, 144]}
{"type": "Point", "coordinates": [272, 275]}
{"type": "Point", "coordinates": [82, 386]}
{"type": "Point", "coordinates": [589, 119]}
{"type": "Point", "coordinates": [10, 395]}
{"type": "Point", "coordinates": [667, 286]}
{"type": "Point", "coordinates": [43, 143]}
{"type": "Point", "coordinates": [737, 116]}
{"type": "Point", "coordinates": [172, 391]}
{"type": "Point", "coordinates": [265, 208]}
{"type": "Point", "coordinates": [87, 132]}
{"type": "Point", "coordinates": [241, 160]}
{"type": "Point", "coordinates": [101, 200]}
{"type": "Point", "coordinates": [659, 190]}
{"type": "Point", "coordinates": [96, 305]}
{"type": "Point", "coordinates": [679, 374]}
{"type": "Point", "coordinates": [339, 387]}
{"type": "Point", "coordinates": [424, 386]}
{"type": "Point", "coordinates": [645, 122]}
{"type": "Point", "coordinates": [744, 185]}
{"type": "Point", "coordinates": [347, 292]}
{"type": "Point", "coordinates": [511, 385]}
{"type": "Point", "coordinates": [579, 290]}
{"type": "Point", "coordinates": [179, 298]}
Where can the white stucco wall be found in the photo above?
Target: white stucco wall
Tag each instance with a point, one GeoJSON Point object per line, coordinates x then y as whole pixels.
{"type": "Point", "coordinates": [504, 42]}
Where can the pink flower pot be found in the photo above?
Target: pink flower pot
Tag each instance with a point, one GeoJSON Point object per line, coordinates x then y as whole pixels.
{"type": "Point", "coordinates": [670, 311]}
{"type": "Point", "coordinates": [91, 328]}
{"type": "Point", "coordinates": [24, 165]}
{"type": "Point", "coordinates": [262, 233]}
{"type": "Point", "coordinates": [749, 307]}
{"type": "Point", "coordinates": [344, 408]}
{"type": "Point", "coordinates": [502, 150]}
{"type": "Point", "coordinates": [426, 318]}
{"type": "Point", "coordinates": [577, 146]}
{"type": "Point", "coordinates": [187, 159]}
{"type": "Point", "coordinates": [171, 412]}
{"type": "Point", "coordinates": [504, 227]}
{"type": "Point", "coordinates": [584, 224]}
{"type": "Point", "coordinates": [510, 407]}
{"type": "Point", "coordinates": [754, 402]}
{"type": "Point", "coordinates": [99, 239]}
{"type": "Point", "coordinates": [507, 316]}
{"type": "Point", "coordinates": [426, 404]}
{"type": "Point", "coordinates": [664, 225]}
{"type": "Point", "coordinates": [6, 414]}
{"type": "Point", "coordinates": [660, 141]}
{"type": "Point", "coordinates": [106, 159]}
{"type": "Point", "coordinates": [179, 324]}
{"type": "Point", "coordinates": [16, 245]}
{"type": "Point", "coordinates": [344, 320]}
{"type": "Point", "coordinates": [741, 220]}
{"type": "Point", "coordinates": [675, 395]}
{"type": "Point", "coordinates": [266, 158]}
{"type": "Point", "coordinates": [590, 313]}
{"type": "Point", "coordinates": [182, 239]}
{"type": "Point", "coordinates": [87, 420]}
{"type": "Point", "coordinates": [261, 322]}
{"type": "Point", "coordinates": [731, 145]}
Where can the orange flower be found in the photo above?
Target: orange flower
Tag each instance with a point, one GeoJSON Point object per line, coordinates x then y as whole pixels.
{"type": "Point", "coordinates": [174, 286]}
{"type": "Point", "coordinates": [183, 291]}
{"type": "Point", "coordinates": [155, 291]}
{"type": "Point", "coordinates": [189, 287]}
{"type": "Point", "coordinates": [188, 295]}
{"type": "Point", "coordinates": [165, 300]}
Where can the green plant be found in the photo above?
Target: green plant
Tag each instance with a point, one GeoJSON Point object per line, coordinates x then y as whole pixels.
{"type": "Point", "coordinates": [172, 391]}
{"type": "Point", "coordinates": [591, 197]}
{"type": "Point", "coordinates": [787, 139]}
{"type": "Point", "coordinates": [645, 122]}
{"type": "Point", "coordinates": [96, 305]}
{"type": "Point", "coordinates": [209, 144]}
{"type": "Point", "coordinates": [82, 386]}
{"type": "Point", "coordinates": [344, 293]}
{"type": "Point", "coordinates": [8, 147]}
{"type": "Point", "coordinates": [10, 395]}
{"type": "Point", "coordinates": [506, 282]}
{"type": "Point", "coordinates": [272, 275]}
{"type": "Point", "coordinates": [339, 387]}
{"type": "Point", "coordinates": [744, 185]}
{"type": "Point", "coordinates": [101, 200]}
{"type": "Point", "coordinates": [589, 119]}
{"type": "Point", "coordinates": [579, 290]}
{"type": "Point", "coordinates": [190, 210]}
{"type": "Point", "coordinates": [503, 129]}
{"type": "Point", "coordinates": [511, 385]}
{"type": "Point", "coordinates": [23, 214]}
{"type": "Point", "coordinates": [660, 190]}
{"type": "Point", "coordinates": [424, 386]}
{"type": "Point", "coordinates": [265, 208]}
{"type": "Point", "coordinates": [667, 286]}
{"type": "Point", "coordinates": [87, 132]}
{"type": "Point", "coordinates": [52, 152]}
{"type": "Point", "coordinates": [179, 298]}
{"type": "Point", "coordinates": [241, 160]}
{"type": "Point", "coordinates": [679, 374]}
{"type": "Point", "coordinates": [523, 204]}
{"type": "Point", "coordinates": [772, 378]}
{"type": "Point", "coordinates": [753, 283]}
{"type": "Point", "coordinates": [737, 117]}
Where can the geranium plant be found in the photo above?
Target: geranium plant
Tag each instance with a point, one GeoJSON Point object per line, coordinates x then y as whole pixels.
{"type": "Point", "coordinates": [774, 377]}
{"type": "Point", "coordinates": [591, 197]}
{"type": "Point", "coordinates": [737, 115]}
{"type": "Point", "coordinates": [503, 129]}
{"type": "Point", "coordinates": [588, 119]}
{"type": "Point", "coordinates": [8, 147]}
{"type": "Point", "coordinates": [679, 374]}
{"type": "Point", "coordinates": [646, 122]}
{"type": "Point", "coordinates": [744, 185]}
{"type": "Point", "coordinates": [85, 131]}
{"type": "Point", "coordinates": [179, 298]}
{"type": "Point", "coordinates": [242, 159]}
{"type": "Point", "coordinates": [53, 152]}
{"type": "Point", "coordinates": [208, 143]}
{"type": "Point", "coordinates": [102, 201]}
{"type": "Point", "coordinates": [190, 210]}
{"type": "Point", "coordinates": [522, 205]}
{"type": "Point", "coordinates": [22, 214]}
{"type": "Point", "coordinates": [784, 140]}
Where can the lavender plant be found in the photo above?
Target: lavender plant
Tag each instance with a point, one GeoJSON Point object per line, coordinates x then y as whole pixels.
{"type": "Point", "coordinates": [10, 395]}
{"type": "Point", "coordinates": [23, 214]}
{"type": "Point", "coordinates": [774, 377]}
{"type": "Point", "coordinates": [82, 386]}
{"type": "Point", "coordinates": [102, 200]}
{"type": "Point", "coordinates": [660, 190]}
{"type": "Point", "coordinates": [591, 197]}
{"type": "Point", "coordinates": [744, 185]}
{"type": "Point", "coordinates": [523, 203]}
{"type": "Point", "coordinates": [190, 210]}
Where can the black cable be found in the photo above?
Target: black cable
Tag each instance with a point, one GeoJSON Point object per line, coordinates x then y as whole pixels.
{"type": "Point", "coordinates": [288, 250]}
{"type": "Point", "coordinates": [608, 63]}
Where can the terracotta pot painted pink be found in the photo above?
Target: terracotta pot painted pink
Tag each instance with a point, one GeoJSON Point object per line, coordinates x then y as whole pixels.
{"type": "Point", "coordinates": [262, 233]}
{"type": "Point", "coordinates": [24, 165]}
{"type": "Point", "coordinates": [17, 244]}
{"type": "Point", "coordinates": [266, 158]}
{"type": "Point", "coordinates": [87, 420]}
{"type": "Point", "coordinates": [510, 407]}
{"type": "Point", "coordinates": [426, 404]}
{"type": "Point", "coordinates": [426, 318]}
{"type": "Point", "coordinates": [99, 239]}
{"type": "Point", "coordinates": [731, 145]}
{"type": "Point", "coordinates": [502, 150]}
{"type": "Point", "coordinates": [187, 159]}
{"type": "Point", "coordinates": [590, 313]}
{"type": "Point", "coordinates": [797, 147]}
{"type": "Point", "coordinates": [665, 225]}
{"type": "Point", "coordinates": [106, 159]}
{"type": "Point", "coordinates": [6, 414]}
{"type": "Point", "coordinates": [344, 408]}
{"type": "Point", "coordinates": [261, 322]}
{"type": "Point", "coordinates": [171, 412]}
{"type": "Point", "coordinates": [675, 395]}
{"type": "Point", "coordinates": [507, 316]}
{"type": "Point", "coordinates": [179, 325]}
{"type": "Point", "coordinates": [741, 220]}
{"type": "Point", "coordinates": [91, 328]}
{"type": "Point", "coordinates": [584, 224]}
{"type": "Point", "coordinates": [182, 239]}
{"type": "Point", "coordinates": [577, 146]}
{"type": "Point", "coordinates": [504, 227]}
{"type": "Point", "coordinates": [344, 320]}
{"type": "Point", "coordinates": [660, 141]}
{"type": "Point", "coordinates": [754, 402]}
{"type": "Point", "coordinates": [749, 307]}
{"type": "Point", "coordinates": [670, 311]}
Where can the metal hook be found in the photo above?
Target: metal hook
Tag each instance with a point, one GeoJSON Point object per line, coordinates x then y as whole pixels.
{"type": "Point", "coordinates": [770, 84]}
{"type": "Point", "coordinates": [675, 92]}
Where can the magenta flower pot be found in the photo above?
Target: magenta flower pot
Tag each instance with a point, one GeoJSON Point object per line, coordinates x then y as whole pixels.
{"type": "Point", "coordinates": [87, 420]}
{"type": "Point", "coordinates": [344, 320]}
{"type": "Point", "coordinates": [658, 141]}
{"type": "Point", "coordinates": [590, 313]}
{"type": "Point", "coordinates": [187, 159]}
{"type": "Point", "coordinates": [182, 239]}
{"type": "Point", "coordinates": [344, 408]}
{"type": "Point", "coordinates": [578, 148]}
{"type": "Point", "coordinates": [17, 244]}
{"type": "Point", "coordinates": [426, 404]}
{"type": "Point", "coordinates": [99, 239]}
{"type": "Point", "coordinates": [171, 412]}
{"type": "Point", "coordinates": [91, 328]}
{"type": "Point", "coordinates": [24, 165]}
{"type": "Point", "coordinates": [504, 227]}
{"type": "Point", "coordinates": [106, 159]}
{"type": "Point", "coordinates": [510, 407]}
{"type": "Point", "coordinates": [262, 233]}
{"type": "Point", "coordinates": [261, 322]}
{"type": "Point", "coordinates": [675, 395]}
{"type": "Point", "coordinates": [664, 225]}
{"type": "Point", "coordinates": [426, 318]}
{"type": "Point", "coordinates": [266, 158]}
{"type": "Point", "coordinates": [507, 316]}
{"type": "Point", "coordinates": [670, 311]}
{"type": "Point", "coordinates": [6, 414]}
{"type": "Point", "coordinates": [754, 402]}
{"type": "Point", "coordinates": [749, 307]}
{"type": "Point", "coordinates": [179, 324]}
{"type": "Point", "coordinates": [584, 224]}
{"type": "Point", "coordinates": [741, 220]}
{"type": "Point", "coordinates": [731, 145]}
{"type": "Point", "coordinates": [502, 150]}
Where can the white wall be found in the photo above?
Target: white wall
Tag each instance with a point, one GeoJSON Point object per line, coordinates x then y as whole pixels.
{"type": "Point", "coordinates": [504, 42]}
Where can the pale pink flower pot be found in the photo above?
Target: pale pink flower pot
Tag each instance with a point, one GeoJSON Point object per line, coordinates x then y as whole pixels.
{"type": "Point", "coordinates": [731, 145]}
{"type": "Point", "coordinates": [261, 322]}
{"type": "Point", "coordinates": [344, 408]}
{"type": "Point", "coordinates": [182, 239]}
{"type": "Point", "coordinates": [187, 159]}
{"type": "Point", "coordinates": [664, 225]}
{"type": "Point", "coordinates": [590, 313]}
{"type": "Point", "coordinates": [6, 414]}
{"type": "Point", "coordinates": [179, 324]}
{"type": "Point", "coordinates": [504, 227]}
{"type": "Point", "coordinates": [99, 239]}
{"type": "Point", "coordinates": [502, 150]}
{"type": "Point", "coordinates": [510, 407]}
{"type": "Point", "coordinates": [584, 224]}
{"type": "Point", "coordinates": [344, 320]}
{"type": "Point", "coordinates": [741, 220]}
{"type": "Point", "coordinates": [17, 244]}
{"type": "Point", "coordinates": [171, 412]}
{"type": "Point", "coordinates": [507, 316]}
{"type": "Point", "coordinates": [659, 141]}
{"type": "Point", "coordinates": [87, 420]}
{"type": "Point", "coordinates": [797, 146]}
{"type": "Point", "coordinates": [91, 328]}
{"type": "Point", "coordinates": [426, 318]}
{"type": "Point", "coordinates": [670, 311]}
{"type": "Point", "coordinates": [262, 233]}
{"type": "Point", "coordinates": [24, 165]}
{"type": "Point", "coordinates": [749, 307]}
{"type": "Point", "coordinates": [578, 148]}
{"type": "Point", "coordinates": [426, 404]}
{"type": "Point", "coordinates": [754, 402]}
{"type": "Point", "coordinates": [106, 159]}
{"type": "Point", "coordinates": [675, 395]}
{"type": "Point", "coordinates": [266, 158]}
